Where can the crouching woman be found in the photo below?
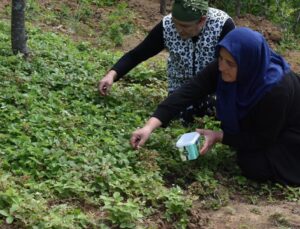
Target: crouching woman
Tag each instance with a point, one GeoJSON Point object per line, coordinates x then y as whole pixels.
{"type": "Point", "coordinates": [258, 104]}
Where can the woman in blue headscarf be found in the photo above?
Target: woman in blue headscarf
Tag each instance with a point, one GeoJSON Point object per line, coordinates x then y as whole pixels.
{"type": "Point", "coordinates": [258, 104]}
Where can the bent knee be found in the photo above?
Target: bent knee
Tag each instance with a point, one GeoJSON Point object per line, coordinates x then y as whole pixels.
{"type": "Point", "coordinates": [255, 167]}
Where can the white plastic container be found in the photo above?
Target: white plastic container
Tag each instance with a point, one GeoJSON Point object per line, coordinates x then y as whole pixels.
{"type": "Point", "coordinates": [188, 145]}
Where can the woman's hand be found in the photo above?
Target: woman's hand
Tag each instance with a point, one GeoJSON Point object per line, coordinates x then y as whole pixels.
{"type": "Point", "coordinates": [141, 135]}
{"type": "Point", "coordinates": [106, 82]}
{"type": "Point", "coordinates": [211, 138]}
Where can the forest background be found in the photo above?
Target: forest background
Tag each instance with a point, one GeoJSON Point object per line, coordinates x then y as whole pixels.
{"type": "Point", "coordinates": [65, 159]}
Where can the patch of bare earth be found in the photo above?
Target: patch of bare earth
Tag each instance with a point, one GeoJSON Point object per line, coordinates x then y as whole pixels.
{"type": "Point", "coordinates": [293, 57]}
{"type": "Point", "coordinates": [147, 16]}
{"type": "Point", "coordinates": [236, 214]}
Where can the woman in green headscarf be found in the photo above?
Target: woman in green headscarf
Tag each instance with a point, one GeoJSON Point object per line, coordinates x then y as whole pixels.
{"type": "Point", "coordinates": [190, 34]}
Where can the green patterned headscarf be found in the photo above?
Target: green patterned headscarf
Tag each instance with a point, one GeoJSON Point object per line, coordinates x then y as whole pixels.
{"type": "Point", "coordinates": [189, 10]}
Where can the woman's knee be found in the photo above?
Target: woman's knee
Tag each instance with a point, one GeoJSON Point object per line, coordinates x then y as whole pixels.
{"type": "Point", "coordinates": [254, 167]}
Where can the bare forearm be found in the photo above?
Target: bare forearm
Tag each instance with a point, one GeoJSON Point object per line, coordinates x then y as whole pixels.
{"type": "Point", "coordinates": [152, 124]}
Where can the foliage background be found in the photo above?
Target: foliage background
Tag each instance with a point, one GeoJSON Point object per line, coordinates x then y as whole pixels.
{"type": "Point", "coordinates": [284, 13]}
{"type": "Point", "coordinates": [65, 159]}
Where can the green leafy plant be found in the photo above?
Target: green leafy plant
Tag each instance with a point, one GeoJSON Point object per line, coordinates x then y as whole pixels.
{"type": "Point", "coordinates": [65, 159]}
{"type": "Point", "coordinates": [121, 212]}
{"type": "Point", "coordinates": [118, 24]}
{"type": "Point", "coordinates": [177, 206]}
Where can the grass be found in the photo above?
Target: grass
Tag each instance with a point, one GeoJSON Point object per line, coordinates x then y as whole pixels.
{"type": "Point", "coordinates": [65, 159]}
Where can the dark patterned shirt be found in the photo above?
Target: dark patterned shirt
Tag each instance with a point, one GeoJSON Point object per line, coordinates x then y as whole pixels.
{"type": "Point", "coordinates": [188, 57]}
{"type": "Point", "coordinates": [152, 45]}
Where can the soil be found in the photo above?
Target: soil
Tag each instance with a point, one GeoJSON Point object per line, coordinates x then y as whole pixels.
{"type": "Point", "coordinates": [237, 213]}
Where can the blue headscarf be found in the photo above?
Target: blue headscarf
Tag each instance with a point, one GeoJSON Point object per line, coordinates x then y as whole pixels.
{"type": "Point", "coordinates": [259, 69]}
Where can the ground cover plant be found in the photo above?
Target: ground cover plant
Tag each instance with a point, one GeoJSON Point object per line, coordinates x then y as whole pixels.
{"type": "Point", "coordinates": [62, 145]}
{"type": "Point", "coordinates": [65, 159]}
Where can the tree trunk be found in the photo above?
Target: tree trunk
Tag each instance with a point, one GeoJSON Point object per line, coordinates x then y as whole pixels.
{"type": "Point", "coordinates": [163, 6]}
{"type": "Point", "coordinates": [18, 33]}
{"type": "Point", "coordinates": [238, 8]}
{"type": "Point", "coordinates": [297, 23]}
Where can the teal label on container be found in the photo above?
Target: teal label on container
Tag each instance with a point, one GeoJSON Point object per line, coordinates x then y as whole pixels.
{"type": "Point", "coordinates": [190, 152]}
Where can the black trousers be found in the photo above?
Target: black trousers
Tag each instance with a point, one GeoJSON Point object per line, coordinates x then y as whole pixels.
{"type": "Point", "coordinates": [274, 164]}
{"type": "Point", "coordinates": [255, 166]}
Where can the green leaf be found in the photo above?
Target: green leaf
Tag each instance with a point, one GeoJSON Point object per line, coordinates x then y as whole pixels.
{"type": "Point", "coordinates": [4, 213]}
{"type": "Point", "coordinates": [9, 219]}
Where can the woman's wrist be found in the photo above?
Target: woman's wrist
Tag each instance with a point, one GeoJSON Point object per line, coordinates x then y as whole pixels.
{"type": "Point", "coordinates": [152, 124]}
{"type": "Point", "coordinates": [220, 135]}
{"type": "Point", "coordinates": [113, 74]}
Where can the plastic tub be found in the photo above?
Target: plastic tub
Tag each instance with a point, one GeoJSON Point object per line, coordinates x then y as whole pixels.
{"type": "Point", "coordinates": [188, 145]}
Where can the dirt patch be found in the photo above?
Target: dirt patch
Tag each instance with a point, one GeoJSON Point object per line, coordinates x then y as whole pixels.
{"type": "Point", "coordinates": [271, 32]}
{"type": "Point", "coordinates": [293, 57]}
{"type": "Point", "coordinates": [147, 12]}
{"type": "Point", "coordinates": [242, 215]}
{"type": "Point", "coordinates": [236, 214]}
{"type": "Point", "coordinates": [4, 4]}
{"type": "Point", "coordinates": [147, 16]}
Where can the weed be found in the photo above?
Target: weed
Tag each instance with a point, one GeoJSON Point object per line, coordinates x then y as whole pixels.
{"type": "Point", "coordinates": [62, 145]}
{"type": "Point", "coordinates": [118, 24]}
{"type": "Point", "coordinates": [255, 211]}
{"type": "Point", "coordinates": [279, 220]}
{"type": "Point", "coordinates": [120, 212]}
